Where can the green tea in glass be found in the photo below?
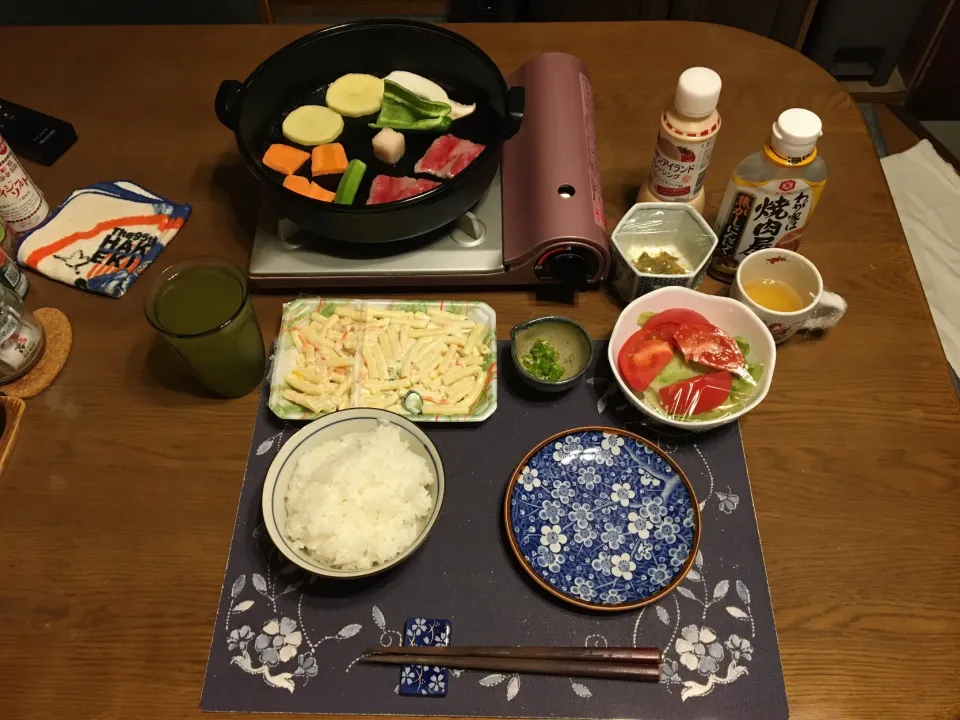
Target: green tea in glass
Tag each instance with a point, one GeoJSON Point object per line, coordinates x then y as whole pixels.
{"type": "Point", "coordinates": [201, 307]}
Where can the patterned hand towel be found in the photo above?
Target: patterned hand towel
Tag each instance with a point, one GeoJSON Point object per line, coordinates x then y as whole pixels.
{"type": "Point", "coordinates": [103, 237]}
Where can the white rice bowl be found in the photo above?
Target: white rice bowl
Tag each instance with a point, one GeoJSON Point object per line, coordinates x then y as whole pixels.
{"type": "Point", "coordinates": [359, 500]}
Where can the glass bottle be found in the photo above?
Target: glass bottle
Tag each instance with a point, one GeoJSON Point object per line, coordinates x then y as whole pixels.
{"type": "Point", "coordinates": [21, 336]}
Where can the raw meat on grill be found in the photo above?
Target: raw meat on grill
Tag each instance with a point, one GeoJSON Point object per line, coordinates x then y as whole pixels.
{"type": "Point", "coordinates": [386, 189]}
{"type": "Point", "coordinates": [447, 156]}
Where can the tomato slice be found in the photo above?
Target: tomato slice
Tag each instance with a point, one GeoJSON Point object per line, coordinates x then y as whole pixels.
{"type": "Point", "coordinates": [710, 346]}
{"type": "Point", "coordinates": [641, 359]}
{"type": "Point", "coordinates": [696, 395]}
{"type": "Point", "coordinates": [665, 323]}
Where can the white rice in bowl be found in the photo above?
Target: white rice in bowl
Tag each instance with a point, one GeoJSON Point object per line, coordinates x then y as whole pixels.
{"type": "Point", "coordinates": [360, 500]}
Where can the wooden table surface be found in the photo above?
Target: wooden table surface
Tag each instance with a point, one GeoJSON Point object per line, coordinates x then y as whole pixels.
{"type": "Point", "coordinates": [117, 506]}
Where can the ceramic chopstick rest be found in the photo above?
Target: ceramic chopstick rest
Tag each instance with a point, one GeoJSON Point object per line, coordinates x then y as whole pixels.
{"type": "Point", "coordinates": [425, 680]}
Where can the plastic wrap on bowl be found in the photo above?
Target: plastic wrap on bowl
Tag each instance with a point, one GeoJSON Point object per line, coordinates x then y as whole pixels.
{"type": "Point", "coordinates": [710, 375]}
{"type": "Point", "coordinates": [321, 367]}
{"type": "Point", "coordinates": [653, 228]}
{"type": "Point", "coordinates": [691, 360]}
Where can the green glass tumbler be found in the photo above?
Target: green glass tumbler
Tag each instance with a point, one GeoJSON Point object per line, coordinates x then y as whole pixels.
{"type": "Point", "coordinates": [201, 307]}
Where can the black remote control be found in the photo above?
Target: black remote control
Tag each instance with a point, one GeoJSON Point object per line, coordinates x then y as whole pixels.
{"type": "Point", "coordinates": [33, 135]}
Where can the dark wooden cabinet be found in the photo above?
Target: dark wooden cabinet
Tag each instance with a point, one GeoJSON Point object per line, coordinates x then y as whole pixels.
{"type": "Point", "coordinates": [782, 20]}
{"type": "Point", "coordinates": [930, 61]}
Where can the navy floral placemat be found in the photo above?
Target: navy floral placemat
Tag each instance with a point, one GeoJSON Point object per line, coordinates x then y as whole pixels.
{"type": "Point", "coordinates": [285, 641]}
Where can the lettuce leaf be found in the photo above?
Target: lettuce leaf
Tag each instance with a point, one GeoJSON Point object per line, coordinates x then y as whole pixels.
{"type": "Point", "coordinates": [676, 370]}
{"type": "Point", "coordinates": [643, 317]}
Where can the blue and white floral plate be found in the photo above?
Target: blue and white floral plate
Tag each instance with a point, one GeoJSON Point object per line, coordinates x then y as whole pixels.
{"type": "Point", "coordinates": [603, 519]}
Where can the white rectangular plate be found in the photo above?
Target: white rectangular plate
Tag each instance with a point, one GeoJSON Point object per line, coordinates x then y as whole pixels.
{"type": "Point", "coordinates": [297, 314]}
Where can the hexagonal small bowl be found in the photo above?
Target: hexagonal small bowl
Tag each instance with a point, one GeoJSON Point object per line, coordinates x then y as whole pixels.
{"type": "Point", "coordinates": [659, 225]}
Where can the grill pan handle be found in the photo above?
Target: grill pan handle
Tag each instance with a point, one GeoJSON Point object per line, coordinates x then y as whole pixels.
{"type": "Point", "coordinates": [227, 102]}
{"type": "Point", "coordinates": [515, 102]}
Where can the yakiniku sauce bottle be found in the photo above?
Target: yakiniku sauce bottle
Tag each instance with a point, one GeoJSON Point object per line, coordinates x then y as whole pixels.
{"type": "Point", "coordinates": [688, 131]}
{"type": "Point", "coordinates": [772, 193]}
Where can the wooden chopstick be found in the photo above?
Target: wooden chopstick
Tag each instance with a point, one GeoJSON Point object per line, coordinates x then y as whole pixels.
{"type": "Point", "coordinates": [596, 654]}
{"type": "Point", "coordinates": [638, 671]}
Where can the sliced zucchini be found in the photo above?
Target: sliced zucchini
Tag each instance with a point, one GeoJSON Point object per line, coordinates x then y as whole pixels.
{"type": "Point", "coordinates": [413, 403]}
{"type": "Point", "coordinates": [312, 125]}
{"type": "Point", "coordinates": [355, 95]}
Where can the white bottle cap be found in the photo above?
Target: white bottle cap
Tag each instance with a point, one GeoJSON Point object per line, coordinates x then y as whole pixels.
{"type": "Point", "coordinates": [795, 133]}
{"type": "Point", "coordinates": [698, 90]}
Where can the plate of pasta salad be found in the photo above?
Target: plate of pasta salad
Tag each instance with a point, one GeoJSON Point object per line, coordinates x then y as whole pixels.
{"type": "Point", "coordinates": [430, 361]}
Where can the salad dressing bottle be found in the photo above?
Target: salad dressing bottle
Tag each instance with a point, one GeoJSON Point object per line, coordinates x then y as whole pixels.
{"type": "Point", "coordinates": [772, 193]}
{"type": "Point", "coordinates": [688, 131]}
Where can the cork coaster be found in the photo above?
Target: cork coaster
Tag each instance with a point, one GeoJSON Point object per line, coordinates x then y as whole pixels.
{"type": "Point", "coordinates": [59, 339]}
{"type": "Point", "coordinates": [11, 410]}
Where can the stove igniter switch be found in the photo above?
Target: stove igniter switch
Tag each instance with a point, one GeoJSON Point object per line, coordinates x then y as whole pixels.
{"type": "Point", "coordinates": [572, 265]}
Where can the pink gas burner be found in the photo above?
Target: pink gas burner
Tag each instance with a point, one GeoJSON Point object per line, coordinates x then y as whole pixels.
{"type": "Point", "coordinates": [541, 221]}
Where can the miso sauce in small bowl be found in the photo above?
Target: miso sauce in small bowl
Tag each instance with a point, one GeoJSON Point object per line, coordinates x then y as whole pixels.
{"type": "Point", "coordinates": [572, 342]}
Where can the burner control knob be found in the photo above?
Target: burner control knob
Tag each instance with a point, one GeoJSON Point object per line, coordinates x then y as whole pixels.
{"type": "Point", "coordinates": [570, 268]}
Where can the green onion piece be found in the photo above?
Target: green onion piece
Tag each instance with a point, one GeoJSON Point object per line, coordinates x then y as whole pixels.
{"type": "Point", "coordinates": [350, 182]}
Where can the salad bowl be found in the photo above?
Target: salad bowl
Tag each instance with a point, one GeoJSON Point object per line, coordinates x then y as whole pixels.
{"type": "Point", "coordinates": [729, 315]}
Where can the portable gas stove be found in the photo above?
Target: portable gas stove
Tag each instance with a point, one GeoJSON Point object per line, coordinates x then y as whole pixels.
{"type": "Point", "coordinates": [541, 221]}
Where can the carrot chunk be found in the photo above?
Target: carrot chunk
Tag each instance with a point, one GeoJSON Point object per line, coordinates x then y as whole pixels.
{"type": "Point", "coordinates": [329, 159]}
{"type": "Point", "coordinates": [284, 159]}
{"type": "Point", "coordinates": [304, 186]}
{"type": "Point", "coordinates": [319, 193]}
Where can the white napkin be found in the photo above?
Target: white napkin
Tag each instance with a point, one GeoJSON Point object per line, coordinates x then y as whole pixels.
{"type": "Point", "coordinates": [926, 191]}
